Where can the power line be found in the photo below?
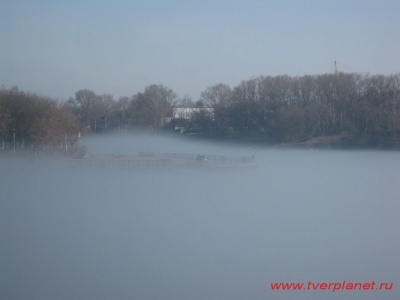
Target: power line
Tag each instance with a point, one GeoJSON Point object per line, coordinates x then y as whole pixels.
{"type": "Point", "coordinates": [335, 69]}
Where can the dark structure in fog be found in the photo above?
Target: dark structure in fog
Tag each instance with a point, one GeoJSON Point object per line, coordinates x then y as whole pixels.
{"type": "Point", "coordinates": [161, 160]}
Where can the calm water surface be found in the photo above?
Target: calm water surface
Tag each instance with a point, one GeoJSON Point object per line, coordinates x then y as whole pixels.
{"type": "Point", "coordinates": [300, 215]}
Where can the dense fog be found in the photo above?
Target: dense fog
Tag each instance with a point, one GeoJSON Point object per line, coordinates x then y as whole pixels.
{"type": "Point", "coordinates": [70, 232]}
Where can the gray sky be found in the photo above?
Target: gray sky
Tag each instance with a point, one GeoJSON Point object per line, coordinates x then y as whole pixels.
{"type": "Point", "coordinates": [55, 48]}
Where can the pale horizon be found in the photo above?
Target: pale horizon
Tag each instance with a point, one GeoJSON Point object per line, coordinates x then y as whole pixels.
{"type": "Point", "coordinates": [57, 48]}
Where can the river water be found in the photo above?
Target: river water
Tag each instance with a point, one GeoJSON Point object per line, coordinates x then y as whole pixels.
{"type": "Point", "coordinates": [108, 233]}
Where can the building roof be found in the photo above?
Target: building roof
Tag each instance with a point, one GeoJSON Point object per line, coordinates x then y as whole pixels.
{"type": "Point", "coordinates": [187, 112]}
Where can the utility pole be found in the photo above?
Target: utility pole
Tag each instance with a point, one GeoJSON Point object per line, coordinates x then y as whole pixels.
{"type": "Point", "coordinates": [335, 68]}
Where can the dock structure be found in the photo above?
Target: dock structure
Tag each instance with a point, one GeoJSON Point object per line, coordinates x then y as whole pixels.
{"type": "Point", "coordinates": [150, 159]}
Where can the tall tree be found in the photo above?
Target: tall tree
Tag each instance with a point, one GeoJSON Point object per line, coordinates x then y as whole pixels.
{"type": "Point", "coordinates": [93, 110]}
{"type": "Point", "coordinates": [154, 106]}
{"type": "Point", "coordinates": [218, 97]}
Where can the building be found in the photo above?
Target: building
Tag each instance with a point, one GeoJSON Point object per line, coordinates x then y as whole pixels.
{"type": "Point", "coordinates": [187, 113]}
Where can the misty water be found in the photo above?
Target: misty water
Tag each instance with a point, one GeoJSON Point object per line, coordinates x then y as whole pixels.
{"type": "Point", "coordinates": [69, 232]}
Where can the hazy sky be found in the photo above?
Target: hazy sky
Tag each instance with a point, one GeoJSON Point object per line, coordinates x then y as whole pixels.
{"type": "Point", "coordinates": [55, 48]}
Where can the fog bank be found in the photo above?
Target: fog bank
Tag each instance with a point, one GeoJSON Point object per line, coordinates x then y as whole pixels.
{"type": "Point", "coordinates": [108, 233]}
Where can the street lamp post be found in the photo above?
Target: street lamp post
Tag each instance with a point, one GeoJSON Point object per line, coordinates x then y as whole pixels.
{"type": "Point", "coordinates": [14, 139]}
{"type": "Point", "coordinates": [66, 145]}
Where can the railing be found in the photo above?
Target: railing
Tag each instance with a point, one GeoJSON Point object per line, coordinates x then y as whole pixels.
{"type": "Point", "coordinates": [150, 159]}
{"type": "Point", "coordinates": [208, 157]}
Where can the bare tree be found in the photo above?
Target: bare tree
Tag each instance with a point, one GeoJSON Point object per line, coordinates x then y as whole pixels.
{"type": "Point", "coordinates": [154, 106]}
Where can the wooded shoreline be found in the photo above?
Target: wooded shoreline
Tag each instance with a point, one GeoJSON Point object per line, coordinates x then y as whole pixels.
{"type": "Point", "coordinates": [341, 110]}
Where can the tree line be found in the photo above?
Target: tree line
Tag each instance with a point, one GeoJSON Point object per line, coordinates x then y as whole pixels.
{"type": "Point", "coordinates": [357, 110]}
{"type": "Point", "coordinates": [149, 109]}
{"type": "Point", "coordinates": [33, 123]}
{"type": "Point", "coordinates": [344, 108]}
